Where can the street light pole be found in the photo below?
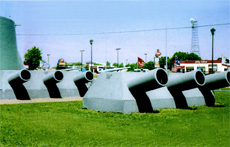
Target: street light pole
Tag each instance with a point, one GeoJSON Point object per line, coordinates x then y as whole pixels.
{"type": "Point", "coordinates": [91, 43]}
{"type": "Point", "coordinates": [166, 41]}
{"type": "Point", "coordinates": [145, 57]}
{"type": "Point", "coordinates": [81, 57]}
{"type": "Point", "coordinates": [48, 58]}
{"type": "Point", "coordinates": [212, 31]}
{"type": "Point", "coordinates": [118, 56]}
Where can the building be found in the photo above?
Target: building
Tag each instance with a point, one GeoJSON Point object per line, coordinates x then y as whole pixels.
{"type": "Point", "coordinates": [9, 55]}
{"type": "Point", "coordinates": [204, 65]}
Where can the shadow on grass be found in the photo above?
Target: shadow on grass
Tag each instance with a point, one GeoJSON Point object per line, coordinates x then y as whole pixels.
{"type": "Point", "coordinates": [188, 108]}
{"type": "Point", "coordinates": [218, 105]}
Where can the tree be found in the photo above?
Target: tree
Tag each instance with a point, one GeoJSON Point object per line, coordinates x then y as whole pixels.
{"type": "Point", "coordinates": [97, 63]}
{"type": "Point", "coordinates": [149, 65]}
{"type": "Point", "coordinates": [162, 61]}
{"type": "Point", "coordinates": [132, 66]}
{"type": "Point", "coordinates": [182, 56]}
{"type": "Point", "coordinates": [219, 58]}
{"type": "Point", "coordinates": [107, 65]}
{"type": "Point", "coordinates": [33, 57]}
{"type": "Point", "coordinates": [192, 57]}
{"type": "Point", "coordinates": [73, 64]}
{"type": "Point", "coordinates": [87, 67]}
{"type": "Point", "coordinates": [121, 65]}
{"type": "Point", "coordinates": [115, 64]}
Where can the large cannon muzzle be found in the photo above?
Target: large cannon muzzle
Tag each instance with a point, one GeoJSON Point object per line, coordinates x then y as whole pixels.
{"type": "Point", "coordinates": [217, 80]}
{"type": "Point", "coordinates": [80, 81]}
{"type": "Point", "coordinates": [84, 77]}
{"type": "Point", "coordinates": [150, 80]}
{"type": "Point", "coordinates": [51, 81]}
{"type": "Point", "coordinates": [145, 82]}
{"type": "Point", "coordinates": [20, 77]}
{"type": "Point", "coordinates": [16, 82]}
{"type": "Point", "coordinates": [185, 81]}
{"type": "Point", "coordinates": [53, 78]}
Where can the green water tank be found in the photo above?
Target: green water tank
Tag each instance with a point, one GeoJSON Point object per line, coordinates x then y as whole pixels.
{"type": "Point", "coordinates": [9, 55]}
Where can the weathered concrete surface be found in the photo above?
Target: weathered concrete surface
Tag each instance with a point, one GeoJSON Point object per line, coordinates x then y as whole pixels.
{"type": "Point", "coordinates": [36, 87]}
{"type": "Point", "coordinates": [194, 97]}
{"type": "Point", "coordinates": [110, 93]}
{"type": "Point", "coordinates": [123, 91]}
{"type": "Point", "coordinates": [161, 98]}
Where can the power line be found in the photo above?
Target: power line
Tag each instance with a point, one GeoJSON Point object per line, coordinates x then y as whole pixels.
{"type": "Point", "coordinates": [121, 32]}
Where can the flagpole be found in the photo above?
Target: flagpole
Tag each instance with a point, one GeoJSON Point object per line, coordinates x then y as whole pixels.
{"type": "Point", "coordinates": [221, 62]}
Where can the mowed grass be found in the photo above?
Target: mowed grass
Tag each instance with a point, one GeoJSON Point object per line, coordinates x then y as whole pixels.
{"type": "Point", "coordinates": [67, 124]}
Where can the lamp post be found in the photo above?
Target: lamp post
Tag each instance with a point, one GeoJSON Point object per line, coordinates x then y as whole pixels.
{"type": "Point", "coordinates": [81, 57]}
{"type": "Point", "coordinates": [166, 41]}
{"type": "Point", "coordinates": [48, 58]}
{"type": "Point", "coordinates": [91, 43]}
{"type": "Point", "coordinates": [118, 56]}
{"type": "Point", "coordinates": [145, 57]}
{"type": "Point", "coordinates": [212, 31]}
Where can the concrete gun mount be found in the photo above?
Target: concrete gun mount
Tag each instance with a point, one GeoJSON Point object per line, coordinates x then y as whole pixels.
{"type": "Point", "coordinates": [123, 91]}
{"type": "Point", "coordinates": [25, 84]}
{"type": "Point", "coordinates": [144, 92]}
{"type": "Point", "coordinates": [181, 91]}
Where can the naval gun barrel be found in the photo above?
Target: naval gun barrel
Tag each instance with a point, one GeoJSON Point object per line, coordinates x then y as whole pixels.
{"type": "Point", "coordinates": [185, 81]}
{"type": "Point", "coordinates": [80, 81]}
{"type": "Point", "coordinates": [51, 81]}
{"type": "Point", "coordinates": [84, 77]}
{"type": "Point", "coordinates": [214, 81]}
{"type": "Point", "coordinates": [217, 80]}
{"type": "Point", "coordinates": [20, 77]}
{"type": "Point", "coordinates": [112, 70]}
{"type": "Point", "coordinates": [53, 78]}
{"type": "Point", "coordinates": [179, 82]}
{"type": "Point", "coordinates": [145, 82]}
{"type": "Point", "coordinates": [150, 80]}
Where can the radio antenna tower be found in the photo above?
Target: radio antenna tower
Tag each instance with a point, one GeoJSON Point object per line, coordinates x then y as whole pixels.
{"type": "Point", "coordinates": [195, 39]}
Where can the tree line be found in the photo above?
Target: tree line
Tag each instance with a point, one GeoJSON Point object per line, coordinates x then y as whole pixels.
{"type": "Point", "coordinates": [33, 58]}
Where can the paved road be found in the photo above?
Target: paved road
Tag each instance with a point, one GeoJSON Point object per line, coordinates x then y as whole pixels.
{"type": "Point", "coordinates": [39, 100]}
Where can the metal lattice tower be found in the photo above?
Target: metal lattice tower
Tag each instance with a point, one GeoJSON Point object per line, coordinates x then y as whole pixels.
{"type": "Point", "coordinates": [195, 39]}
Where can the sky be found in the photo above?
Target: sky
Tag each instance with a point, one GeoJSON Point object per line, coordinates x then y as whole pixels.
{"type": "Point", "coordinates": [63, 28]}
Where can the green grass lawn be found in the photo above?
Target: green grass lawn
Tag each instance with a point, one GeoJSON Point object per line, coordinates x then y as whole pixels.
{"type": "Point", "coordinates": [67, 124]}
{"type": "Point", "coordinates": [226, 88]}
